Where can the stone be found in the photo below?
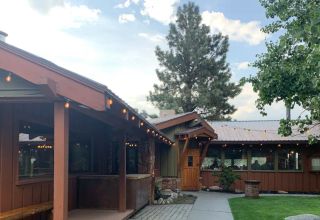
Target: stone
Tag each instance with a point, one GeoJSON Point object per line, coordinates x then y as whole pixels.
{"type": "Point", "coordinates": [160, 201]}
{"type": "Point", "coordinates": [303, 217]}
{"type": "Point", "coordinates": [166, 193]}
{"type": "Point", "coordinates": [282, 192]}
{"type": "Point", "coordinates": [238, 191]}
{"type": "Point", "coordinates": [214, 188]}
{"type": "Point", "coordinates": [174, 195]}
{"type": "Point", "coordinates": [170, 200]}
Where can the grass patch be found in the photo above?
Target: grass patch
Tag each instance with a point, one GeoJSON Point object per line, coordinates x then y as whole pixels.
{"type": "Point", "coordinates": [273, 207]}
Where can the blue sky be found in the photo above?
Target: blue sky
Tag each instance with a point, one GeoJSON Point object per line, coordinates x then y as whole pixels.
{"type": "Point", "coordinates": [113, 41]}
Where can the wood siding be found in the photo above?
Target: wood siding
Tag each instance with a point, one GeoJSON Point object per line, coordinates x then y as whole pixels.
{"type": "Point", "coordinates": [307, 182]}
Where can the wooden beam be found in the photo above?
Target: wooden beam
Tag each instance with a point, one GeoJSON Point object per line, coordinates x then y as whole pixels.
{"type": "Point", "coordinates": [122, 176]}
{"type": "Point", "coordinates": [61, 154]}
{"type": "Point", "coordinates": [48, 88]}
{"type": "Point", "coordinates": [204, 152]}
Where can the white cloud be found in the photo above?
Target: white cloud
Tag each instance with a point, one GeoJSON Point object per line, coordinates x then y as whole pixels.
{"type": "Point", "coordinates": [243, 65]}
{"type": "Point", "coordinates": [127, 3]}
{"type": "Point", "coordinates": [156, 38]}
{"type": "Point", "coordinates": [125, 18]}
{"type": "Point", "coordinates": [47, 34]}
{"type": "Point", "coordinates": [162, 11]}
{"type": "Point", "coordinates": [236, 30]}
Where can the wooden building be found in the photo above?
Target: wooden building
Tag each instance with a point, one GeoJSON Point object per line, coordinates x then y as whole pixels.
{"type": "Point", "coordinates": [69, 143]}
{"type": "Point", "coordinates": [252, 148]}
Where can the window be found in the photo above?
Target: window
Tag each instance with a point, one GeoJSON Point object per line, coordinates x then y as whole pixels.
{"type": "Point", "coordinates": [236, 158]}
{"type": "Point", "coordinates": [190, 161]}
{"type": "Point", "coordinates": [315, 164]}
{"type": "Point", "coordinates": [289, 159]}
{"type": "Point", "coordinates": [79, 154]}
{"type": "Point", "coordinates": [262, 159]}
{"type": "Point", "coordinates": [132, 160]}
{"type": "Point", "coordinates": [213, 159]}
{"type": "Point", "coordinates": [35, 150]}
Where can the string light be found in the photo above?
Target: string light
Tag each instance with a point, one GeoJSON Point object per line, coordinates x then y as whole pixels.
{"type": "Point", "coordinates": [141, 123]}
{"type": "Point", "coordinates": [148, 130]}
{"type": "Point", "coordinates": [133, 117]}
{"type": "Point", "coordinates": [67, 105]}
{"type": "Point", "coordinates": [109, 101]}
{"type": "Point", "coordinates": [124, 111]}
{"type": "Point", "coordinates": [8, 78]}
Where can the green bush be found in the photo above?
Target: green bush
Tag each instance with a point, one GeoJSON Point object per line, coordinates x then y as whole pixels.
{"type": "Point", "coordinates": [226, 177]}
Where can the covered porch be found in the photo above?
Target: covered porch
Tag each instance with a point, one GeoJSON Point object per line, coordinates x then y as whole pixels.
{"type": "Point", "coordinates": [70, 141]}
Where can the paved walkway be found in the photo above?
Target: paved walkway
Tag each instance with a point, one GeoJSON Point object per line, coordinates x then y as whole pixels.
{"type": "Point", "coordinates": [209, 205]}
{"type": "Point", "coordinates": [164, 212]}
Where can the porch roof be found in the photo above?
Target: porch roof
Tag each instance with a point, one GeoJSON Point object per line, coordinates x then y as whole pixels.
{"type": "Point", "coordinates": [40, 71]}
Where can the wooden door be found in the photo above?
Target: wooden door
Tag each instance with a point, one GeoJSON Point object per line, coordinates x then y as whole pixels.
{"type": "Point", "coordinates": [190, 170]}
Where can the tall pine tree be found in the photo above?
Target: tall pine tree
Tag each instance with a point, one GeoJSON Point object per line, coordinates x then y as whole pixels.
{"type": "Point", "coordinates": [194, 73]}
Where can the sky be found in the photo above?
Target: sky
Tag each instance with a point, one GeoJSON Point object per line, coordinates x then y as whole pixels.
{"type": "Point", "coordinates": [113, 41]}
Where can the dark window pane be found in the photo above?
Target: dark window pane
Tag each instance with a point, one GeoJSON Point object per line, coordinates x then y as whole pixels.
{"type": "Point", "coordinates": [132, 160]}
{"type": "Point", "coordinates": [289, 159]}
{"type": "Point", "coordinates": [212, 160]}
{"type": "Point", "coordinates": [35, 150]}
{"type": "Point", "coordinates": [236, 158]}
{"type": "Point", "coordinates": [79, 155]}
{"type": "Point", "coordinates": [262, 159]}
{"type": "Point", "coordinates": [190, 161]}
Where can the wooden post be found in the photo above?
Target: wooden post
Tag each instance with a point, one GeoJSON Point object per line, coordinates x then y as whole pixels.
{"type": "Point", "coordinates": [152, 157]}
{"type": "Point", "coordinates": [122, 176]}
{"type": "Point", "coordinates": [61, 156]}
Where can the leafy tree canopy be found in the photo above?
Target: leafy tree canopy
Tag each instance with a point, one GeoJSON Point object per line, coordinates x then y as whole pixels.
{"type": "Point", "coordinates": [193, 72]}
{"type": "Point", "coordinates": [289, 70]}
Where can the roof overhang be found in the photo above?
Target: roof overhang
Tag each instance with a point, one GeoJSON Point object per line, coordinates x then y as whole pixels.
{"type": "Point", "coordinates": [60, 84]}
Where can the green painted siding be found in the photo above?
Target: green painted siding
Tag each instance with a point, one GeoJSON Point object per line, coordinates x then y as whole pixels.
{"type": "Point", "coordinates": [169, 155]}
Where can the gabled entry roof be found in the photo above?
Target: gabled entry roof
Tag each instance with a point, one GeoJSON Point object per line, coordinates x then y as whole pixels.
{"type": "Point", "coordinates": [200, 126]}
{"type": "Point", "coordinates": [67, 85]}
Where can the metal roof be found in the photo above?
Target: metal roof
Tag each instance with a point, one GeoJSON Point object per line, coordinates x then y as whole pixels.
{"type": "Point", "coordinates": [264, 130]}
{"type": "Point", "coordinates": [168, 118]}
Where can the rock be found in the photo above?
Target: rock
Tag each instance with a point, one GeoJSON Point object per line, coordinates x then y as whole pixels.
{"type": "Point", "coordinates": [238, 191]}
{"type": "Point", "coordinates": [215, 188]}
{"type": "Point", "coordinates": [282, 192]}
{"type": "Point", "coordinates": [166, 193]}
{"type": "Point", "coordinates": [303, 217]}
{"type": "Point", "coordinates": [174, 195]}
{"type": "Point", "coordinates": [170, 200]}
{"type": "Point", "coordinates": [160, 201]}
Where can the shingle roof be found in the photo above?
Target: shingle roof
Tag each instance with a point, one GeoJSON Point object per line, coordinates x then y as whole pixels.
{"type": "Point", "coordinates": [263, 130]}
{"type": "Point", "coordinates": [167, 118]}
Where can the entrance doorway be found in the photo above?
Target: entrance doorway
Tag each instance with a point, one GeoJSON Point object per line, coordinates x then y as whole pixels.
{"type": "Point", "coordinates": [190, 170]}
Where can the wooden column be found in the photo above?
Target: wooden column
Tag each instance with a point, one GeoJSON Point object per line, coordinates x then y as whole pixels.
{"type": "Point", "coordinates": [61, 156]}
{"type": "Point", "coordinates": [122, 176]}
{"type": "Point", "coordinates": [152, 157]}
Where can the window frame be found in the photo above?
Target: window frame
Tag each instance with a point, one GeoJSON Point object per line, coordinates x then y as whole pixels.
{"type": "Point", "coordinates": [311, 158]}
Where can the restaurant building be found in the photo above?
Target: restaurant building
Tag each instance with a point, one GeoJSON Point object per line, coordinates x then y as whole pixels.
{"type": "Point", "coordinates": [68, 143]}
{"type": "Point", "coordinates": [254, 149]}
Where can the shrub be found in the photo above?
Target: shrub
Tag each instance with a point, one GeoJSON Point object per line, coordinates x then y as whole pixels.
{"type": "Point", "coordinates": [226, 177]}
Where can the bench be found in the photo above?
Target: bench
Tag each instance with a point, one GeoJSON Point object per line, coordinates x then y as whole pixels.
{"type": "Point", "coordinates": [26, 211]}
